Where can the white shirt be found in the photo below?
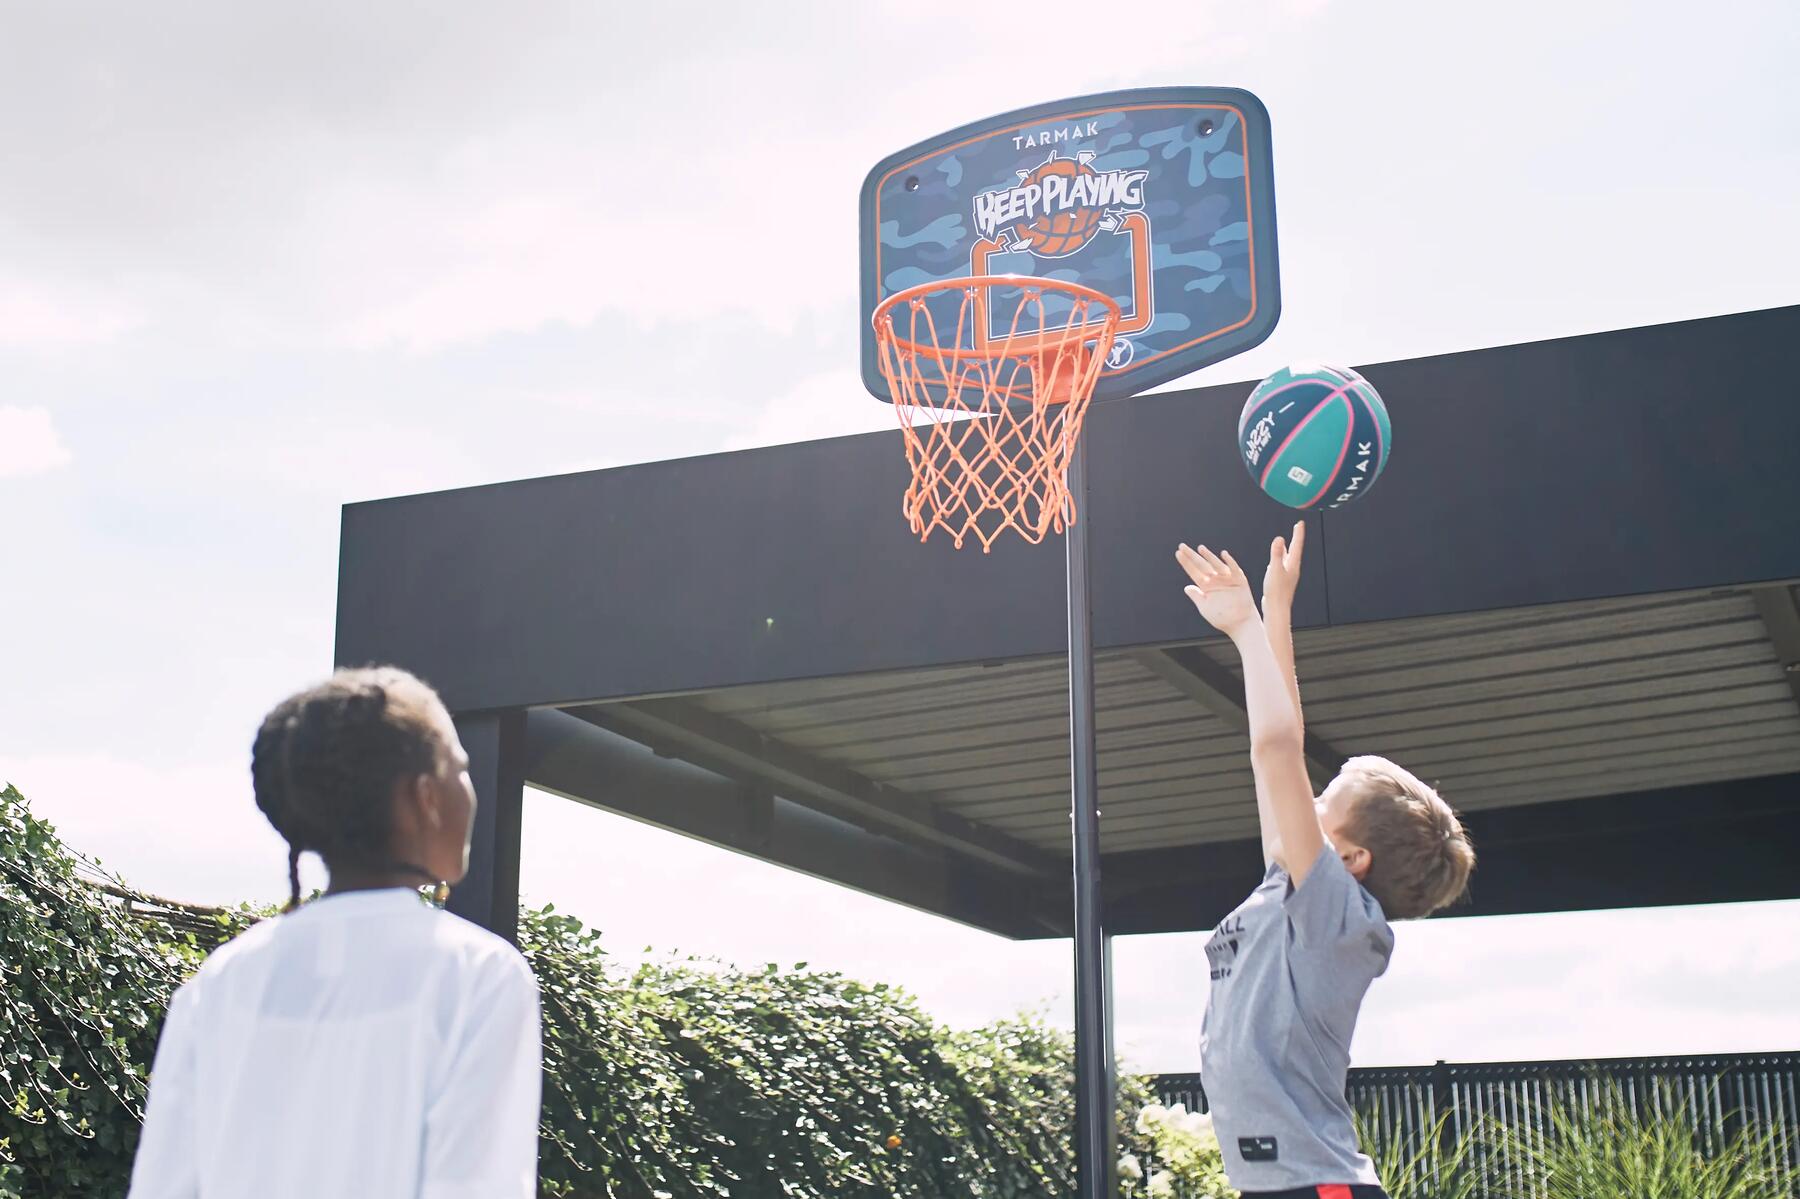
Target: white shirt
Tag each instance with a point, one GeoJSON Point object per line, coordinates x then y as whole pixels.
{"type": "Point", "coordinates": [365, 1046]}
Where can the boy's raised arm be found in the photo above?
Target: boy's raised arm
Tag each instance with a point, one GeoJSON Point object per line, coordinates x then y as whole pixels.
{"type": "Point", "coordinates": [1280, 582]}
{"type": "Point", "coordinates": [1277, 741]}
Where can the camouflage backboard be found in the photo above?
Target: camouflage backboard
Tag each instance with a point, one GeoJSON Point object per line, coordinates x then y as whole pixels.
{"type": "Point", "coordinates": [1162, 198]}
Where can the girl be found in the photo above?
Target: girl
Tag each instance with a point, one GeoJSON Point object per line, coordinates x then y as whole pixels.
{"type": "Point", "coordinates": [366, 1044]}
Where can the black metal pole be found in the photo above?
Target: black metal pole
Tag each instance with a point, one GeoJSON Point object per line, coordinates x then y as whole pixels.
{"type": "Point", "coordinates": [1094, 1156]}
{"type": "Point", "coordinates": [489, 892]}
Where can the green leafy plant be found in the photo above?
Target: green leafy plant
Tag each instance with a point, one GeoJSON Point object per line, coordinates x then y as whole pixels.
{"type": "Point", "coordinates": [689, 1078]}
{"type": "Point", "coordinates": [670, 1081]}
{"type": "Point", "coordinates": [1609, 1146]}
{"type": "Point", "coordinates": [84, 982]}
{"type": "Point", "coordinates": [1422, 1166]}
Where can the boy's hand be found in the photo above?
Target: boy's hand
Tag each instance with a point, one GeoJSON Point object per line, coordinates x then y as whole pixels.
{"type": "Point", "coordinates": [1220, 591]}
{"type": "Point", "coordinates": [1282, 578]}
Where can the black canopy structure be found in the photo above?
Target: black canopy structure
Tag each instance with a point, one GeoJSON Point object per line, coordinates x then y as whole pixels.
{"type": "Point", "coordinates": [1571, 602]}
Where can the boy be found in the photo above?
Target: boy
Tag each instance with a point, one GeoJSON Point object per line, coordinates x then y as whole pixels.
{"type": "Point", "coordinates": [1291, 965]}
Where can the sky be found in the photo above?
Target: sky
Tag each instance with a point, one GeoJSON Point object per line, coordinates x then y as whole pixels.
{"type": "Point", "coordinates": [259, 261]}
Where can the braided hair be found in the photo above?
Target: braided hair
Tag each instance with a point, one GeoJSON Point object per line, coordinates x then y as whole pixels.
{"type": "Point", "coordinates": [325, 762]}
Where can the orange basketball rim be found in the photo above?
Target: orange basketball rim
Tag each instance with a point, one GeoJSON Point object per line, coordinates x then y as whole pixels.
{"type": "Point", "coordinates": [992, 376]}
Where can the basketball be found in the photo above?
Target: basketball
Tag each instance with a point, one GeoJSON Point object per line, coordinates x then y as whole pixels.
{"type": "Point", "coordinates": [1314, 436]}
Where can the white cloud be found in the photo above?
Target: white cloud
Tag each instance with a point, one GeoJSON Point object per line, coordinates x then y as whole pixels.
{"type": "Point", "coordinates": [826, 404]}
{"type": "Point", "coordinates": [29, 444]}
{"type": "Point", "coordinates": [657, 200]}
{"type": "Point", "coordinates": [617, 255]}
{"type": "Point", "coordinates": [1579, 984]}
{"type": "Point", "coordinates": [383, 458]}
{"type": "Point", "coordinates": [37, 318]}
{"type": "Point", "coordinates": [597, 171]}
{"type": "Point", "coordinates": [647, 887]}
{"type": "Point", "coordinates": [187, 831]}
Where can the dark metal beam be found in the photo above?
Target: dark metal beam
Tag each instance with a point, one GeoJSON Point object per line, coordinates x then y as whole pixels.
{"type": "Point", "coordinates": [1220, 692]}
{"type": "Point", "coordinates": [1712, 843]}
{"type": "Point", "coordinates": [718, 743]}
{"type": "Point", "coordinates": [557, 598]}
{"type": "Point", "coordinates": [1779, 604]}
{"type": "Point", "coordinates": [489, 893]}
{"type": "Point", "coordinates": [580, 760]}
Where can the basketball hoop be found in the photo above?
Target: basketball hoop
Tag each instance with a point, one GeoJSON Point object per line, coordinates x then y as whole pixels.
{"type": "Point", "coordinates": [1154, 208]}
{"type": "Point", "coordinates": [992, 376]}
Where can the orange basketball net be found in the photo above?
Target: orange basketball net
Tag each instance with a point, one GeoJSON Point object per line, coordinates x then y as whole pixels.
{"type": "Point", "coordinates": [992, 375]}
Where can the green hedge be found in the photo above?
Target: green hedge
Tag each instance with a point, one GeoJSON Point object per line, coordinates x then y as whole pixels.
{"type": "Point", "coordinates": [85, 982]}
{"type": "Point", "coordinates": [695, 1080]}
{"type": "Point", "coordinates": [692, 1080]}
{"type": "Point", "coordinates": [668, 1081]}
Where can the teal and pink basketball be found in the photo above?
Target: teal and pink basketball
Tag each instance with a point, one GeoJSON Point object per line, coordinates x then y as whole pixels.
{"type": "Point", "coordinates": [1314, 436]}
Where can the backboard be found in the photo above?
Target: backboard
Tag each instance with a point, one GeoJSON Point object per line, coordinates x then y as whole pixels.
{"type": "Point", "coordinates": [1162, 198]}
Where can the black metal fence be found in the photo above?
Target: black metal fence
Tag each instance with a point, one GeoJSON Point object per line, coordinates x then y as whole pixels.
{"type": "Point", "coordinates": [1721, 1095]}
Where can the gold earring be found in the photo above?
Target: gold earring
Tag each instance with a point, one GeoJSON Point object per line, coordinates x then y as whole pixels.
{"type": "Point", "coordinates": [440, 894]}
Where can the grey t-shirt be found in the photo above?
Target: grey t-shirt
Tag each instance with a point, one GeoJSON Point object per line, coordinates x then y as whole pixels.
{"type": "Point", "coordinates": [1289, 970]}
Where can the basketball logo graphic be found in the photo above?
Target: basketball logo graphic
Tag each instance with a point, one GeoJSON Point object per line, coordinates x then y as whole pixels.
{"type": "Point", "coordinates": [1053, 235]}
{"type": "Point", "coordinates": [1058, 206]}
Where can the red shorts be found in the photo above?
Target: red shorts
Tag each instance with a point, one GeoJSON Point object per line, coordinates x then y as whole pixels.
{"type": "Point", "coordinates": [1331, 1190]}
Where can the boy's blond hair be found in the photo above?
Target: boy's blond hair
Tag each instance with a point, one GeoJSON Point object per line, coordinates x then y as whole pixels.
{"type": "Point", "coordinates": [1421, 857]}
